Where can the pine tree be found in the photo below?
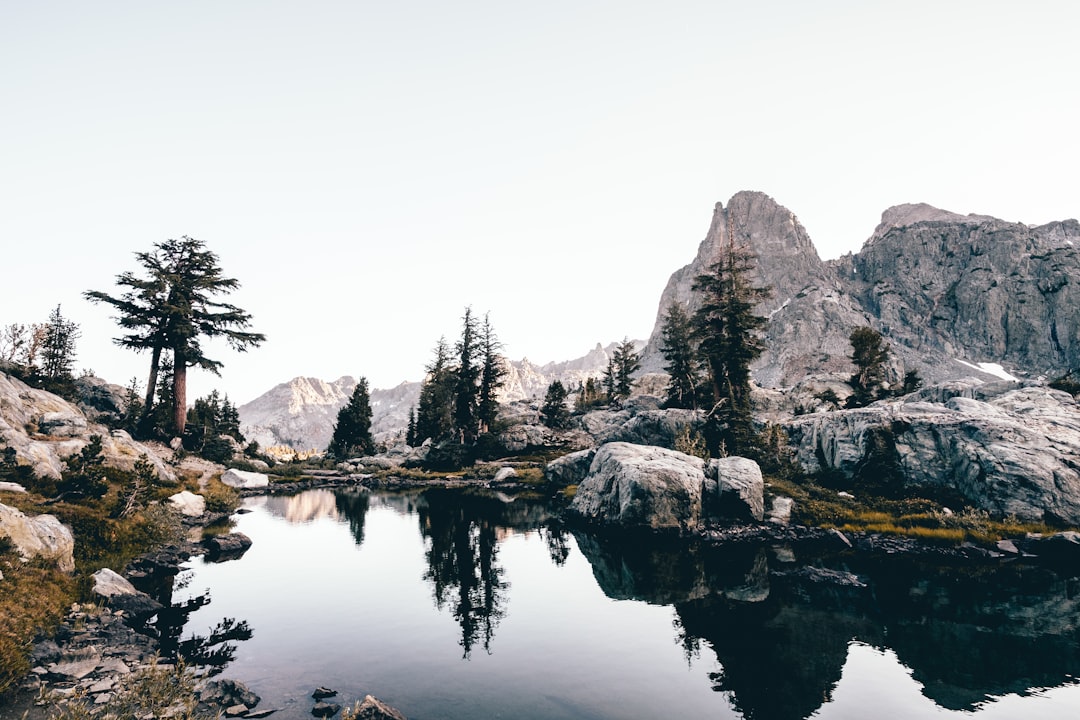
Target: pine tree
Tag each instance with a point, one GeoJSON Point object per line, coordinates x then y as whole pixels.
{"type": "Point", "coordinates": [869, 352]}
{"type": "Point", "coordinates": [726, 327]}
{"type": "Point", "coordinates": [352, 431]}
{"type": "Point", "coordinates": [435, 412]}
{"type": "Point", "coordinates": [680, 358]}
{"type": "Point", "coordinates": [492, 376]}
{"type": "Point", "coordinates": [174, 308]}
{"type": "Point", "coordinates": [58, 346]}
{"type": "Point", "coordinates": [610, 379]}
{"type": "Point", "coordinates": [410, 432]}
{"type": "Point", "coordinates": [554, 412]}
{"type": "Point", "coordinates": [467, 387]}
{"type": "Point", "coordinates": [625, 363]}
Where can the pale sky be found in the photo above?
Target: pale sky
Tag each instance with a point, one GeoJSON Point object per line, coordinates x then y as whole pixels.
{"type": "Point", "coordinates": [368, 169]}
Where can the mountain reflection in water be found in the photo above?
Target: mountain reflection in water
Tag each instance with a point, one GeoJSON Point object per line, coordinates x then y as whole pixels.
{"type": "Point", "coordinates": [781, 630]}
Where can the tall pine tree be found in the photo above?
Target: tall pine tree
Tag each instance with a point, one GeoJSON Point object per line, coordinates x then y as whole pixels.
{"type": "Point", "coordinates": [173, 308]}
{"type": "Point", "coordinates": [726, 329]}
{"type": "Point", "coordinates": [467, 390]}
{"type": "Point", "coordinates": [435, 411]}
{"type": "Point", "coordinates": [681, 361]}
{"type": "Point", "coordinates": [492, 376]}
{"type": "Point", "coordinates": [352, 431]}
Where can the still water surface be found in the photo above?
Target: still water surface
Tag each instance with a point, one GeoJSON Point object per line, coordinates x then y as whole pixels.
{"type": "Point", "coordinates": [455, 605]}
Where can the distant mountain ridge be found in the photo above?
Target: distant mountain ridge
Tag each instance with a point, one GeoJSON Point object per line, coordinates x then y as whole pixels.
{"type": "Point", "coordinates": [301, 413]}
{"type": "Point", "coordinates": [954, 296]}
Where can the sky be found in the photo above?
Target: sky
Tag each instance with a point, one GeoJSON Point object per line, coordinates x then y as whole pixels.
{"type": "Point", "coordinates": [367, 170]}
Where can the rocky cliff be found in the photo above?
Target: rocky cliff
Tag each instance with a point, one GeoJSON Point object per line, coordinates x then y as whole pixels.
{"type": "Point", "coordinates": [43, 429]}
{"type": "Point", "coordinates": [949, 292]}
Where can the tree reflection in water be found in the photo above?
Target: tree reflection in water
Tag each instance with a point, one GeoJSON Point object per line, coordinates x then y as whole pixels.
{"type": "Point", "coordinates": [461, 541]}
{"type": "Point", "coordinates": [210, 653]}
{"type": "Point", "coordinates": [353, 506]}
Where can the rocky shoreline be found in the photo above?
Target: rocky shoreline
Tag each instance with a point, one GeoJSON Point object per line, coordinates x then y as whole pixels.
{"type": "Point", "coordinates": [101, 647]}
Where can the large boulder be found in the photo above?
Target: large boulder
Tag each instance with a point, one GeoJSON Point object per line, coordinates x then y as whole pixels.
{"type": "Point", "coordinates": [43, 429]}
{"type": "Point", "coordinates": [188, 503]}
{"type": "Point", "coordinates": [734, 488]}
{"type": "Point", "coordinates": [1004, 447]}
{"type": "Point", "coordinates": [122, 595]}
{"type": "Point", "coordinates": [244, 479]}
{"type": "Point", "coordinates": [641, 486]}
{"type": "Point", "coordinates": [41, 536]}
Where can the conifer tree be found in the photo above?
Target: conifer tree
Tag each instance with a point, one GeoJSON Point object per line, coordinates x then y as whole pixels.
{"type": "Point", "coordinates": [869, 352]}
{"type": "Point", "coordinates": [58, 346]}
{"type": "Point", "coordinates": [435, 412]}
{"type": "Point", "coordinates": [625, 362]}
{"type": "Point", "coordinates": [610, 378]}
{"type": "Point", "coordinates": [726, 327]}
{"type": "Point", "coordinates": [410, 432]}
{"type": "Point", "coordinates": [554, 412]}
{"type": "Point", "coordinates": [173, 308]}
{"type": "Point", "coordinates": [492, 376]}
{"type": "Point", "coordinates": [352, 431]}
{"type": "Point", "coordinates": [467, 387]}
{"type": "Point", "coordinates": [680, 358]}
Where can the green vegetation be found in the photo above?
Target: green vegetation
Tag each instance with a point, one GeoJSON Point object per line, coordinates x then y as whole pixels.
{"type": "Point", "coordinates": [912, 517]}
{"type": "Point", "coordinates": [624, 362]}
{"type": "Point", "coordinates": [42, 354]}
{"type": "Point", "coordinates": [113, 519]}
{"type": "Point", "coordinates": [158, 691]}
{"type": "Point", "coordinates": [34, 597]}
{"type": "Point", "coordinates": [210, 422]}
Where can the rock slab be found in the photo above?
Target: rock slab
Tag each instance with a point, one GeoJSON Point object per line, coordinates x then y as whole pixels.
{"type": "Point", "coordinates": [41, 536]}
{"type": "Point", "coordinates": [641, 486]}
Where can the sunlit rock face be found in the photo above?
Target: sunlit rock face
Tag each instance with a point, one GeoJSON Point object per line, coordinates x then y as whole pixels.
{"type": "Point", "coordinates": [43, 429]}
{"type": "Point", "coordinates": [1008, 448]}
{"type": "Point", "coordinates": [39, 536]}
{"type": "Point", "coordinates": [972, 287]}
{"type": "Point", "coordinates": [941, 288]}
{"type": "Point", "coordinates": [642, 486]}
{"type": "Point", "coordinates": [810, 316]}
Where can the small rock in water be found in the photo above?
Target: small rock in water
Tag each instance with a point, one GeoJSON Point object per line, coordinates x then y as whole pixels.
{"type": "Point", "coordinates": [323, 709]}
{"type": "Point", "coordinates": [236, 710]}
{"type": "Point", "coordinates": [323, 692]}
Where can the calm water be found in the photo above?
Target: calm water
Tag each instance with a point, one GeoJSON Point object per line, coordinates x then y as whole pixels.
{"type": "Point", "coordinates": [449, 605]}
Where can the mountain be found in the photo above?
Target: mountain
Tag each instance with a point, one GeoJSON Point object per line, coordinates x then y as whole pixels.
{"type": "Point", "coordinates": [301, 413]}
{"type": "Point", "coordinates": [954, 295]}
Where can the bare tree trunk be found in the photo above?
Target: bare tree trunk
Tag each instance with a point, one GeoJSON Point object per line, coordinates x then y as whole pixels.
{"type": "Point", "coordinates": [179, 394]}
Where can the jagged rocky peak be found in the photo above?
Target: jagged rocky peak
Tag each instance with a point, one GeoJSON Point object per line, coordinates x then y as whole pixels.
{"type": "Point", "coordinates": [809, 316]}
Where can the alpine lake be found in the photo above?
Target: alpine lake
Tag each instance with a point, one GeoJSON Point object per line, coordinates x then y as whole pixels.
{"type": "Point", "coordinates": [453, 604]}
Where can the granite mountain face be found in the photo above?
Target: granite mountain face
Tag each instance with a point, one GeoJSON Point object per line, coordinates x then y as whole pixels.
{"type": "Point", "coordinates": [950, 294]}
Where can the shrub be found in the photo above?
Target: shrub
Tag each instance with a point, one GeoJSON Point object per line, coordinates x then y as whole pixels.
{"type": "Point", "coordinates": [220, 498]}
